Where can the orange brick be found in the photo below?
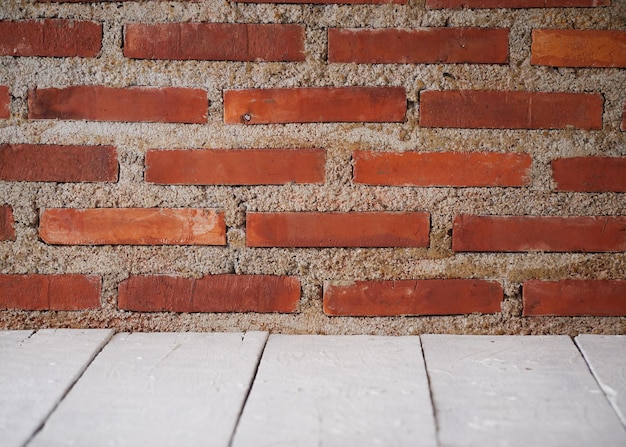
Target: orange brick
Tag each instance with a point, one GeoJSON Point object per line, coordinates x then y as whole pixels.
{"type": "Point", "coordinates": [315, 105]}
{"type": "Point", "coordinates": [476, 109]}
{"type": "Point", "coordinates": [313, 229]}
{"type": "Point", "coordinates": [50, 292]}
{"type": "Point", "coordinates": [441, 169]}
{"type": "Point", "coordinates": [539, 233]}
{"type": "Point", "coordinates": [5, 102]}
{"type": "Point", "coordinates": [601, 298]}
{"type": "Point", "coordinates": [413, 297]}
{"type": "Point", "coordinates": [132, 226]}
{"type": "Point", "coordinates": [423, 46]}
{"type": "Point", "coordinates": [50, 37]}
{"type": "Point", "coordinates": [590, 174]}
{"type": "Point", "coordinates": [578, 48]}
{"type": "Point", "coordinates": [214, 41]}
{"type": "Point", "coordinates": [7, 224]}
{"type": "Point", "coordinates": [216, 293]}
{"type": "Point", "coordinates": [236, 166]}
{"type": "Point", "coordinates": [455, 4]}
{"type": "Point", "coordinates": [98, 103]}
{"type": "Point", "coordinates": [51, 163]}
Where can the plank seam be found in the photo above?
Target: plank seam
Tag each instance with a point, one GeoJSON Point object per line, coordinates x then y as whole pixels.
{"type": "Point", "coordinates": [597, 380]}
{"type": "Point", "coordinates": [80, 374]}
{"type": "Point", "coordinates": [430, 394]}
{"type": "Point", "coordinates": [245, 399]}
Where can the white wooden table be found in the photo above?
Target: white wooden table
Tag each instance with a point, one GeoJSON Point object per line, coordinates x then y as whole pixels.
{"type": "Point", "coordinates": [95, 388]}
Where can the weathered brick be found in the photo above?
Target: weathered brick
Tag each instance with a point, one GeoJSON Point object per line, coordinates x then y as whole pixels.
{"type": "Point", "coordinates": [455, 4]}
{"type": "Point", "coordinates": [5, 102]}
{"type": "Point", "coordinates": [477, 109]}
{"type": "Point", "coordinates": [132, 226]}
{"type": "Point", "coordinates": [50, 37]}
{"type": "Point", "coordinates": [412, 297]}
{"type": "Point", "coordinates": [7, 224]}
{"type": "Point", "coordinates": [216, 293]}
{"type": "Point", "coordinates": [314, 105]}
{"type": "Point", "coordinates": [441, 169]}
{"type": "Point", "coordinates": [590, 174]}
{"type": "Point", "coordinates": [423, 46]}
{"type": "Point", "coordinates": [98, 103]}
{"type": "Point", "coordinates": [214, 41]}
{"type": "Point", "coordinates": [236, 166]}
{"type": "Point", "coordinates": [575, 298]}
{"type": "Point", "coordinates": [578, 48]}
{"type": "Point", "coordinates": [50, 292]}
{"type": "Point", "coordinates": [314, 229]}
{"type": "Point", "coordinates": [539, 233]}
{"type": "Point", "coordinates": [52, 163]}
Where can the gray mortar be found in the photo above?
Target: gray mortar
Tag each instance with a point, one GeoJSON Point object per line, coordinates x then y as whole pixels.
{"type": "Point", "coordinates": [314, 267]}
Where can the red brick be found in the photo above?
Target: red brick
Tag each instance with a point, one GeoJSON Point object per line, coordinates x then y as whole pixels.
{"type": "Point", "coordinates": [328, 2]}
{"type": "Point", "coordinates": [50, 163]}
{"type": "Point", "coordinates": [50, 292]}
{"type": "Point", "coordinates": [439, 4]}
{"type": "Point", "coordinates": [214, 41]}
{"type": "Point", "coordinates": [5, 102]}
{"type": "Point", "coordinates": [216, 293]}
{"type": "Point", "coordinates": [423, 46]}
{"type": "Point", "coordinates": [409, 297]}
{"type": "Point", "coordinates": [315, 105]}
{"type": "Point", "coordinates": [236, 166]}
{"type": "Point", "coordinates": [441, 169]}
{"type": "Point", "coordinates": [578, 48]}
{"type": "Point", "coordinates": [590, 174]}
{"type": "Point", "coordinates": [312, 229]}
{"type": "Point", "coordinates": [539, 233]}
{"type": "Point", "coordinates": [601, 298]}
{"type": "Point", "coordinates": [97, 103]}
{"type": "Point", "coordinates": [132, 226]}
{"type": "Point", "coordinates": [478, 109]}
{"type": "Point", "coordinates": [7, 224]}
{"type": "Point", "coordinates": [51, 37]}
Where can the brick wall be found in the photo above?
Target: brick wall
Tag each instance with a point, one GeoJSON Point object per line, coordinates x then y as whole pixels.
{"type": "Point", "coordinates": [379, 166]}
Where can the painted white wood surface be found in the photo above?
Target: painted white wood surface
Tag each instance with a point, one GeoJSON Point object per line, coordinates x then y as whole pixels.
{"type": "Point", "coordinates": [606, 356]}
{"type": "Point", "coordinates": [158, 389]}
{"type": "Point", "coordinates": [339, 391]}
{"type": "Point", "coordinates": [517, 391]}
{"type": "Point", "coordinates": [36, 370]}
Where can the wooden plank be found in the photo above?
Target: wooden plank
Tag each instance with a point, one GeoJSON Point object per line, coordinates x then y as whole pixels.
{"type": "Point", "coordinates": [36, 371]}
{"type": "Point", "coordinates": [159, 389]}
{"type": "Point", "coordinates": [338, 390]}
{"type": "Point", "coordinates": [606, 357]}
{"type": "Point", "coordinates": [517, 391]}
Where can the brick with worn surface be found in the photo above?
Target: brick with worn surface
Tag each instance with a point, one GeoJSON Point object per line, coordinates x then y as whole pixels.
{"type": "Point", "coordinates": [5, 102]}
{"type": "Point", "coordinates": [423, 46]}
{"type": "Point", "coordinates": [54, 163]}
{"type": "Point", "coordinates": [314, 229]}
{"type": "Point", "coordinates": [539, 233]}
{"type": "Point", "coordinates": [132, 226]}
{"type": "Point", "coordinates": [50, 37]}
{"type": "Point", "coordinates": [235, 166]}
{"type": "Point", "coordinates": [214, 41]}
{"type": "Point", "coordinates": [50, 292]}
{"type": "Point", "coordinates": [578, 48]}
{"type": "Point", "coordinates": [575, 297]}
{"type": "Point", "coordinates": [489, 109]}
{"type": "Point", "coordinates": [133, 104]}
{"type": "Point", "coordinates": [315, 105]}
{"type": "Point", "coordinates": [441, 169]}
{"type": "Point", "coordinates": [215, 293]}
{"type": "Point", "coordinates": [7, 224]}
{"type": "Point", "coordinates": [590, 174]}
{"type": "Point", "coordinates": [412, 297]}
